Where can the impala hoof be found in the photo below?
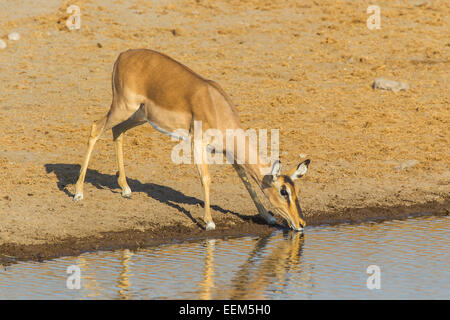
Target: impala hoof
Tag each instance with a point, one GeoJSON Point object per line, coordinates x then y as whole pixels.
{"type": "Point", "coordinates": [210, 226]}
{"type": "Point", "coordinates": [78, 197]}
{"type": "Point", "coordinates": [126, 193]}
{"type": "Point", "coordinates": [271, 220]}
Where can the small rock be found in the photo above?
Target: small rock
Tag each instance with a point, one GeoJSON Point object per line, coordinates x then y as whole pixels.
{"type": "Point", "coordinates": [2, 44]}
{"type": "Point", "coordinates": [392, 85]}
{"type": "Point", "coordinates": [406, 164]}
{"type": "Point", "coordinates": [99, 45]}
{"type": "Point", "coordinates": [14, 36]}
{"type": "Point", "coordinates": [422, 3]}
{"type": "Point", "coordinates": [302, 155]}
{"type": "Point", "coordinates": [178, 32]}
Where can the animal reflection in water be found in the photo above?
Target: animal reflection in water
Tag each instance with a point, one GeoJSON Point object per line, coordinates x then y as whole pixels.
{"type": "Point", "coordinates": [267, 264]}
{"type": "Point", "coordinates": [207, 283]}
{"type": "Point", "coordinates": [258, 272]}
{"type": "Point", "coordinates": [124, 283]}
{"type": "Point", "coordinates": [93, 288]}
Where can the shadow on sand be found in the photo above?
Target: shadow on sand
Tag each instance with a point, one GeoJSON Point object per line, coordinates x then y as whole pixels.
{"type": "Point", "coordinates": [67, 173]}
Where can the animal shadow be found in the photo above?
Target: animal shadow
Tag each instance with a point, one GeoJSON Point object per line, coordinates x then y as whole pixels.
{"type": "Point", "coordinates": [68, 173]}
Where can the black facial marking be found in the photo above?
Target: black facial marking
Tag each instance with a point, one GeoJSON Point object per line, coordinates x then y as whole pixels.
{"type": "Point", "coordinates": [299, 209]}
{"type": "Point", "coordinates": [288, 180]}
{"type": "Point", "coordinates": [267, 181]}
{"type": "Point", "coordinates": [285, 194]}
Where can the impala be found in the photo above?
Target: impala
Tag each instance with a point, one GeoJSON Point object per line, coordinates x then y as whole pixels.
{"type": "Point", "coordinates": [149, 86]}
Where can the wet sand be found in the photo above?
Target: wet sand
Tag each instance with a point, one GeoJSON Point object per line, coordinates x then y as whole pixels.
{"type": "Point", "coordinates": [304, 68]}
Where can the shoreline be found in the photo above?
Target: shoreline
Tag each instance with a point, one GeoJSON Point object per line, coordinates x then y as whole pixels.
{"type": "Point", "coordinates": [11, 253]}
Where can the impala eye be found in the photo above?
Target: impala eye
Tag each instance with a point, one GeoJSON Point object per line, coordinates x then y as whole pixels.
{"type": "Point", "coordinates": [283, 192]}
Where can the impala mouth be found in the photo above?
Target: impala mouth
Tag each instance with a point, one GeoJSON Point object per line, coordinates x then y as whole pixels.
{"type": "Point", "coordinates": [289, 220]}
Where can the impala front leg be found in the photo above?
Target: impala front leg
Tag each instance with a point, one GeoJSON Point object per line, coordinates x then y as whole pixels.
{"type": "Point", "coordinates": [206, 181]}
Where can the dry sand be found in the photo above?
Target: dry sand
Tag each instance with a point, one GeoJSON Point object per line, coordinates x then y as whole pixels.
{"type": "Point", "coordinates": [305, 67]}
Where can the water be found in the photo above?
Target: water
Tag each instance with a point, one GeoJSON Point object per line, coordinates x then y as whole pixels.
{"type": "Point", "coordinates": [327, 262]}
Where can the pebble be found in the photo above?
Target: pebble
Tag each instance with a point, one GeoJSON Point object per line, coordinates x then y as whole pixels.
{"type": "Point", "coordinates": [392, 85]}
{"type": "Point", "coordinates": [14, 36]}
{"type": "Point", "coordinates": [422, 3]}
{"type": "Point", "coordinates": [2, 44]}
{"type": "Point", "coordinates": [178, 32]}
{"type": "Point", "coordinates": [406, 164]}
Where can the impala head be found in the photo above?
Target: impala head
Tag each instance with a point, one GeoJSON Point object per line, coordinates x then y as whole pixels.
{"type": "Point", "coordinates": [282, 193]}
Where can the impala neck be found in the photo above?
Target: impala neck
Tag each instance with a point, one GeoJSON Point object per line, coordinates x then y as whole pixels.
{"type": "Point", "coordinates": [255, 169]}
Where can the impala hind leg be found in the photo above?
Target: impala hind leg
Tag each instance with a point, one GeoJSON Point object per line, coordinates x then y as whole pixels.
{"type": "Point", "coordinates": [206, 182]}
{"type": "Point", "coordinates": [113, 118]}
{"type": "Point", "coordinates": [122, 178]}
{"type": "Point", "coordinates": [97, 129]}
{"type": "Point", "coordinates": [118, 132]}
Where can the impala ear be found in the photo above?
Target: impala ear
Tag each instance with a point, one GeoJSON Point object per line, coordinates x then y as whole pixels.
{"type": "Point", "coordinates": [276, 169]}
{"type": "Point", "coordinates": [301, 170]}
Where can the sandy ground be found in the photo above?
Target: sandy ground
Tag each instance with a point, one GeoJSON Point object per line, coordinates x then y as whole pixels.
{"type": "Point", "coordinates": [305, 67]}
